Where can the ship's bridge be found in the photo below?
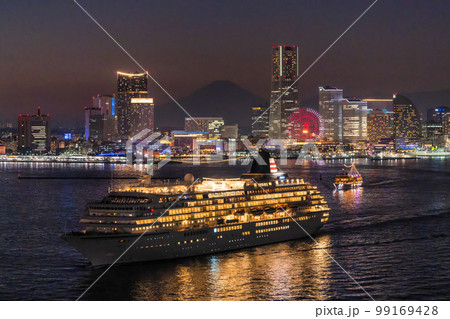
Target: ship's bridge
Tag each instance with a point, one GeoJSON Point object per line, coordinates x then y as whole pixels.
{"type": "Point", "coordinates": [217, 184]}
{"type": "Point", "coordinates": [175, 187]}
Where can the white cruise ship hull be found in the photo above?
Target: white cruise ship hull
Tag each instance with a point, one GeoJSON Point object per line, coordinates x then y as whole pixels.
{"type": "Point", "coordinates": [103, 250]}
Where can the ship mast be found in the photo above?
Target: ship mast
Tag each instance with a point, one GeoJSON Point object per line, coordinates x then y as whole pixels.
{"type": "Point", "coordinates": [353, 171]}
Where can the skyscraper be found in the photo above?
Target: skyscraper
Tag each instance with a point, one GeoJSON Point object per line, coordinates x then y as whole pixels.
{"type": "Point", "coordinates": [260, 121]}
{"type": "Point", "coordinates": [378, 126]}
{"type": "Point", "coordinates": [134, 107]}
{"type": "Point", "coordinates": [93, 124]}
{"type": "Point", "coordinates": [212, 125]}
{"type": "Point", "coordinates": [354, 120]}
{"type": "Point", "coordinates": [230, 131]}
{"type": "Point", "coordinates": [446, 124]}
{"type": "Point", "coordinates": [284, 74]}
{"type": "Point", "coordinates": [434, 126]}
{"type": "Point", "coordinates": [100, 123]}
{"type": "Point", "coordinates": [380, 104]}
{"type": "Point", "coordinates": [106, 104]}
{"type": "Point", "coordinates": [330, 107]}
{"type": "Point", "coordinates": [33, 133]}
{"type": "Point", "coordinates": [436, 114]}
{"type": "Point", "coordinates": [406, 121]}
{"type": "Point", "coordinates": [141, 115]}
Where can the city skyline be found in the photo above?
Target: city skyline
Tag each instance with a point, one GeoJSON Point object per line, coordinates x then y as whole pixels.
{"type": "Point", "coordinates": [76, 77]}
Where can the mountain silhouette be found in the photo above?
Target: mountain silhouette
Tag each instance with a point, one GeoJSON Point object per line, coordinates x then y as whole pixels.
{"type": "Point", "coordinates": [219, 98]}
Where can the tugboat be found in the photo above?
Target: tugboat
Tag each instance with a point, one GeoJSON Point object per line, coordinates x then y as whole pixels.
{"type": "Point", "coordinates": [349, 180]}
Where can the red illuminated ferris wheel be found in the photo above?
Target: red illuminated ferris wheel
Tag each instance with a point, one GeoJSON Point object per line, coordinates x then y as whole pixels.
{"type": "Point", "coordinates": [305, 124]}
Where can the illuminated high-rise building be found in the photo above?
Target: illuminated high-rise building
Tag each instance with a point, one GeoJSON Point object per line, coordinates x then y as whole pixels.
{"type": "Point", "coordinates": [380, 104]}
{"type": "Point", "coordinates": [446, 124]}
{"type": "Point", "coordinates": [33, 133]}
{"type": "Point", "coordinates": [354, 120]}
{"type": "Point", "coordinates": [260, 121]}
{"type": "Point", "coordinates": [100, 119]}
{"type": "Point", "coordinates": [378, 126]}
{"type": "Point", "coordinates": [284, 74]}
{"type": "Point", "coordinates": [407, 125]}
{"type": "Point", "coordinates": [330, 107]}
{"type": "Point", "coordinates": [230, 131]}
{"type": "Point", "coordinates": [93, 124]}
{"type": "Point", "coordinates": [434, 126]}
{"type": "Point", "coordinates": [134, 108]}
{"type": "Point", "coordinates": [141, 115]}
{"type": "Point", "coordinates": [212, 125]}
{"type": "Point", "coordinates": [106, 104]}
{"type": "Point", "coordinates": [436, 114]}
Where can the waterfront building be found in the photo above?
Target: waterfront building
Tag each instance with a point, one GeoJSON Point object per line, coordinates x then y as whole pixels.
{"type": "Point", "coordinates": [407, 126]}
{"type": "Point", "coordinates": [284, 74]}
{"type": "Point", "coordinates": [432, 131]}
{"type": "Point", "coordinates": [330, 107]}
{"type": "Point", "coordinates": [230, 131]}
{"type": "Point", "coordinates": [260, 121]}
{"type": "Point", "coordinates": [134, 107]}
{"type": "Point", "coordinates": [185, 140]}
{"type": "Point", "coordinates": [93, 124]}
{"type": "Point", "coordinates": [354, 120]}
{"type": "Point", "coordinates": [106, 104]}
{"type": "Point", "coordinates": [436, 114]}
{"type": "Point", "coordinates": [212, 125]}
{"type": "Point", "coordinates": [434, 126]}
{"type": "Point", "coordinates": [141, 115]}
{"type": "Point", "coordinates": [378, 126]}
{"type": "Point", "coordinates": [33, 133]}
{"type": "Point", "coordinates": [446, 124]}
{"type": "Point", "coordinates": [380, 104]}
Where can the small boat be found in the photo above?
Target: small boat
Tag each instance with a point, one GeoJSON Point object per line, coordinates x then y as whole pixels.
{"type": "Point", "coordinates": [349, 180]}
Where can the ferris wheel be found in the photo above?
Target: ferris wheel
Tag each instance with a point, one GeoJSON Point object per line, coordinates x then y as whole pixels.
{"type": "Point", "coordinates": [305, 124]}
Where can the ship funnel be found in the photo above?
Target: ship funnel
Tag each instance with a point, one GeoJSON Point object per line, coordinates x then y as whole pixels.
{"type": "Point", "coordinates": [188, 179]}
{"type": "Point", "coordinates": [263, 163]}
{"type": "Point", "coordinates": [264, 168]}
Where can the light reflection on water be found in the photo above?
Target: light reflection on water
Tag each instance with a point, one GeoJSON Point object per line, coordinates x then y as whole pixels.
{"type": "Point", "coordinates": [351, 198]}
{"type": "Point", "coordinates": [391, 235]}
{"type": "Point", "coordinates": [281, 273]}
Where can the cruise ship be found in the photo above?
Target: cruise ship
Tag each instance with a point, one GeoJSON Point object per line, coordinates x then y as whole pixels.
{"type": "Point", "coordinates": [158, 220]}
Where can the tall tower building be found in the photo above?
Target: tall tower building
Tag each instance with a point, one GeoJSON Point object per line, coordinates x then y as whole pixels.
{"type": "Point", "coordinates": [141, 115]}
{"type": "Point", "coordinates": [107, 105]}
{"type": "Point", "coordinates": [284, 73]}
{"type": "Point", "coordinates": [446, 124]}
{"type": "Point", "coordinates": [134, 107]}
{"type": "Point", "coordinates": [380, 104]}
{"type": "Point", "coordinates": [33, 133]}
{"type": "Point", "coordinates": [436, 114]}
{"type": "Point", "coordinates": [378, 126]}
{"type": "Point", "coordinates": [330, 107]}
{"type": "Point", "coordinates": [260, 121]}
{"type": "Point", "coordinates": [354, 120]}
{"type": "Point", "coordinates": [406, 121]}
{"type": "Point", "coordinates": [93, 124]}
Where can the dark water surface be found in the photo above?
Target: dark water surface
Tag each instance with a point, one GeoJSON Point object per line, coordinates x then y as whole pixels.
{"type": "Point", "coordinates": [391, 235]}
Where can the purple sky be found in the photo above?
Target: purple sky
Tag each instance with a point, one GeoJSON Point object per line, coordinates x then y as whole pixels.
{"type": "Point", "coordinates": [53, 55]}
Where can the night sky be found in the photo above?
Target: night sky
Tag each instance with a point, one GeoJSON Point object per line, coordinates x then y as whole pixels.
{"type": "Point", "coordinates": [53, 55]}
